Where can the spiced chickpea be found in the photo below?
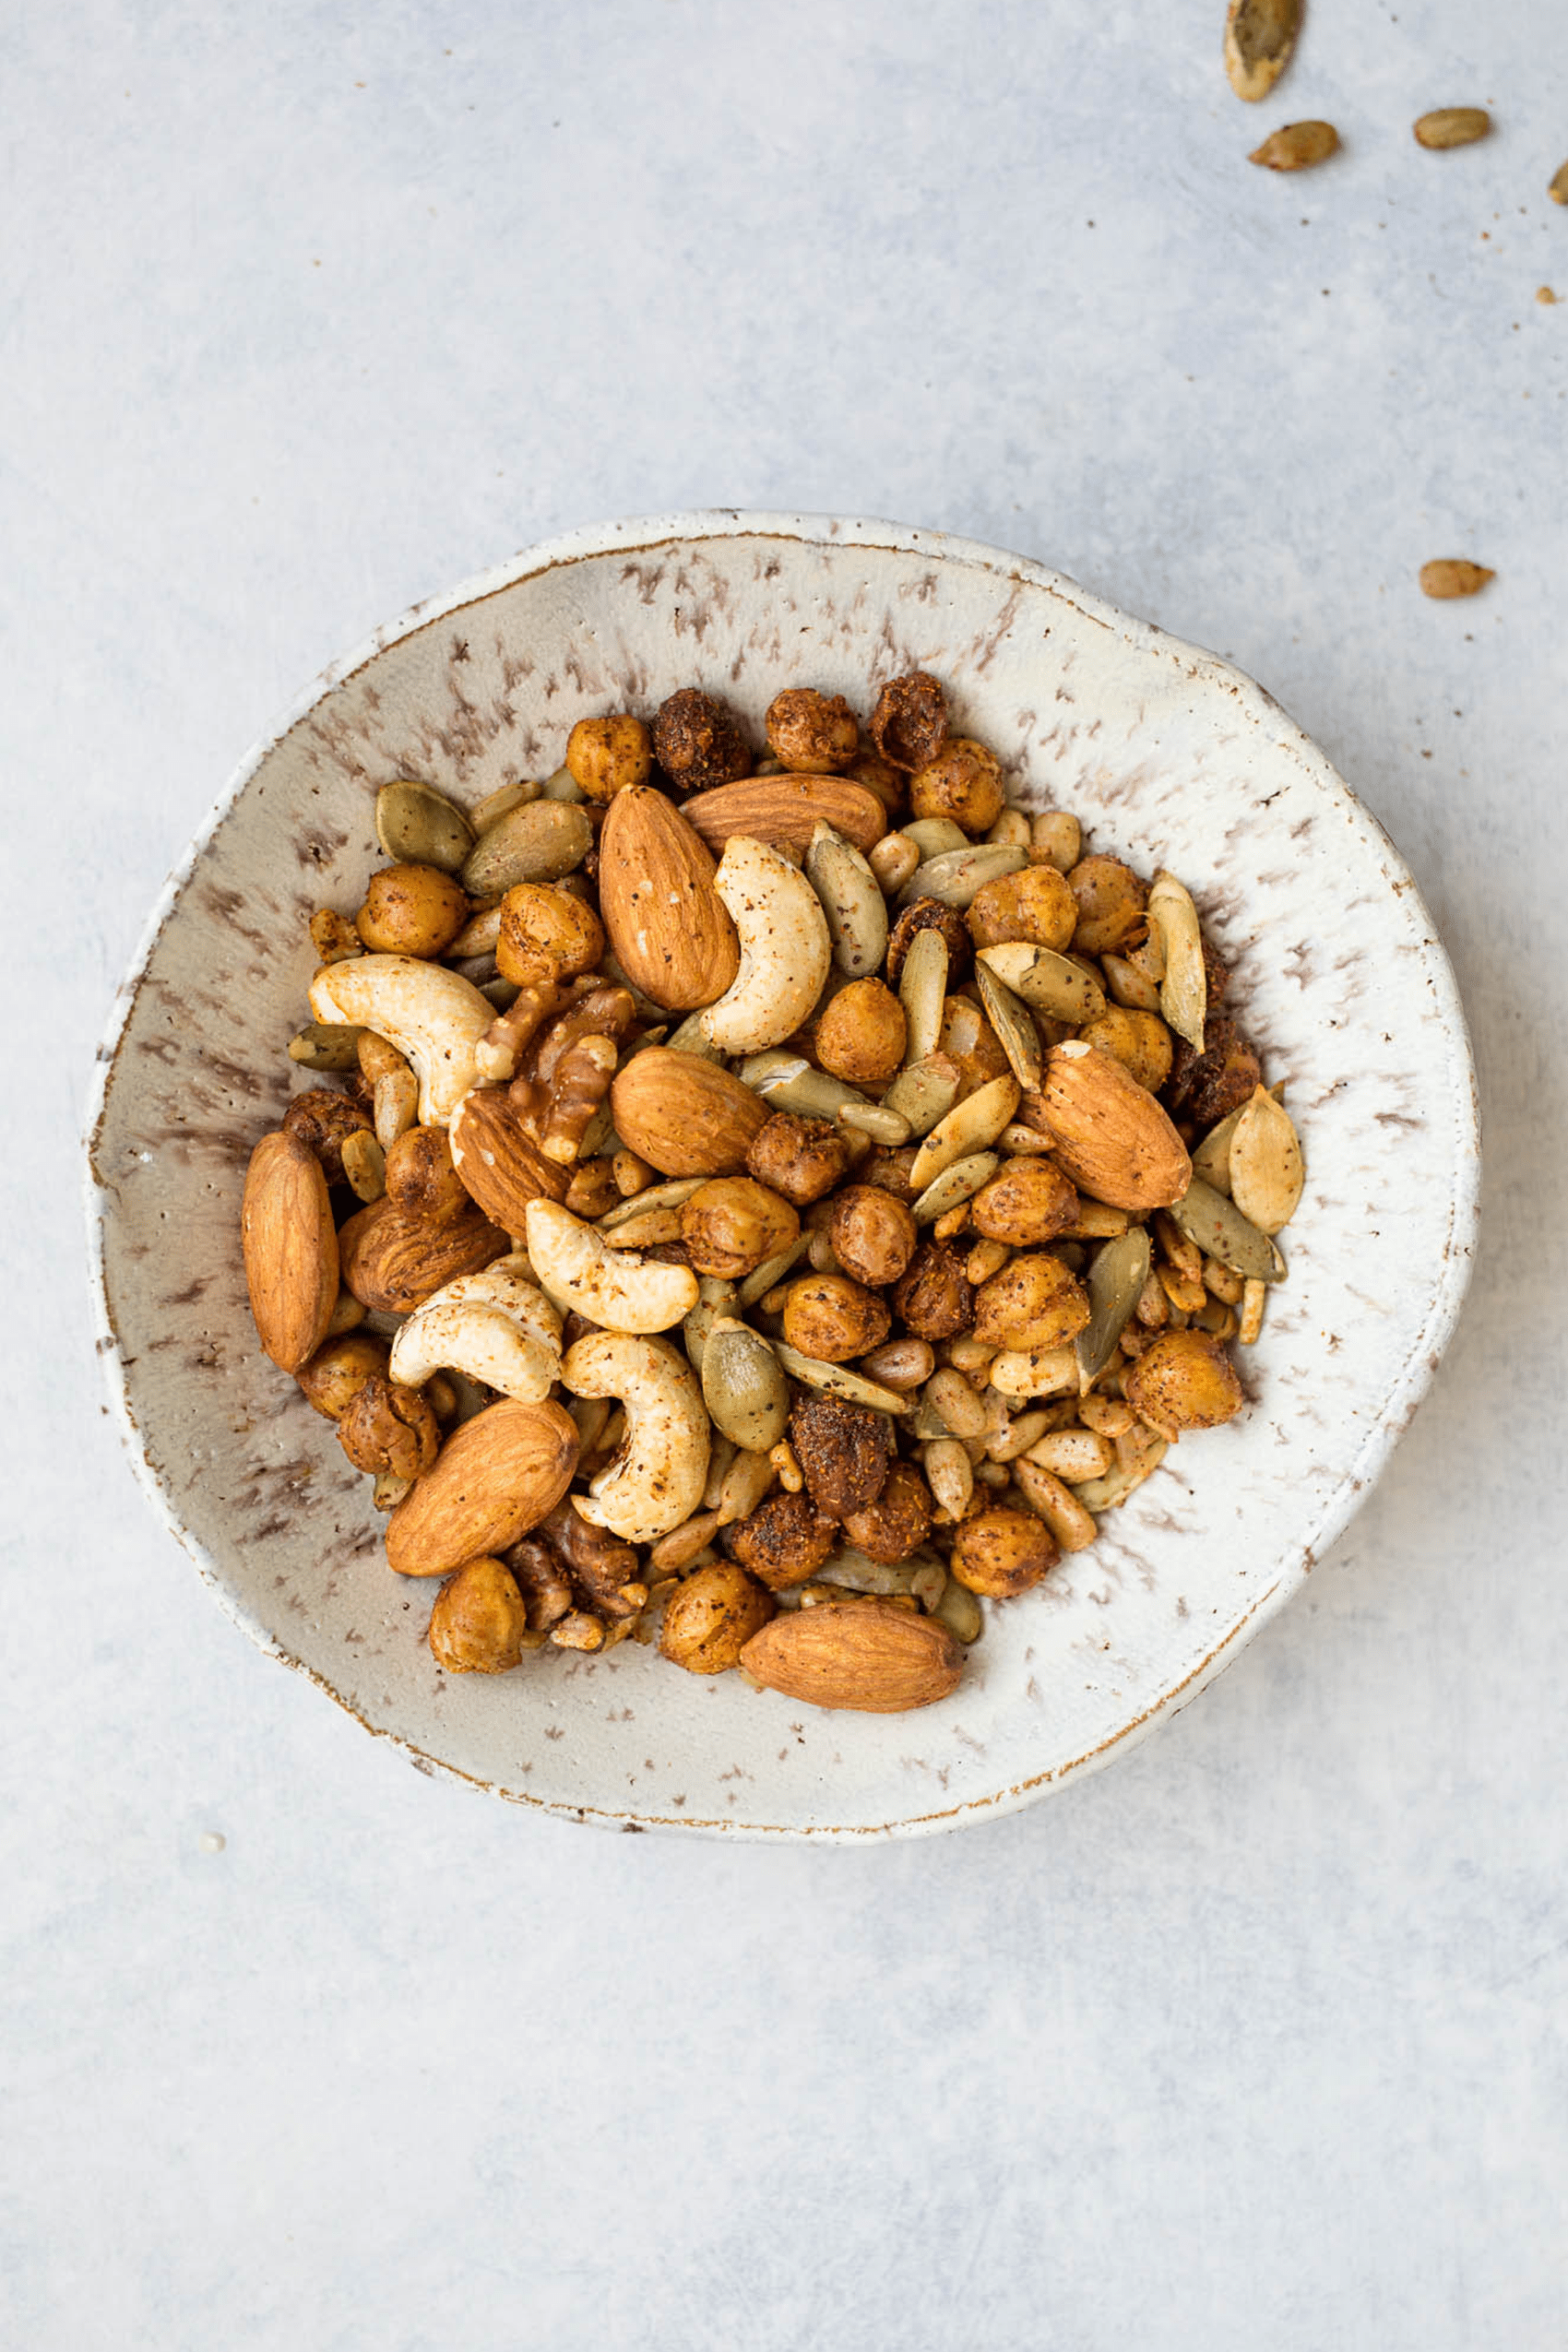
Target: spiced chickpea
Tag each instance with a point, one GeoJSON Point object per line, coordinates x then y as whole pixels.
{"type": "Point", "coordinates": [1031, 1201]}
{"type": "Point", "coordinates": [1034, 1302]}
{"type": "Point", "coordinates": [833, 1318]}
{"type": "Point", "coordinates": [324, 1119]}
{"type": "Point", "coordinates": [844, 1453]}
{"type": "Point", "coordinates": [861, 1034]}
{"type": "Point", "coordinates": [1140, 1042]}
{"type": "Point", "coordinates": [1034, 904]}
{"type": "Point", "coordinates": [1183, 1380]}
{"type": "Point", "coordinates": [607, 755]}
{"type": "Point", "coordinates": [897, 1522]}
{"type": "Point", "coordinates": [711, 1616]}
{"type": "Point", "coordinates": [785, 1540]}
{"type": "Point", "coordinates": [934, 1300]}
{"type": "Point", "coordinates": [697, 742]}
{"type": "Point", "coordinates": [909, 725]}
{"type": "Point", "coordinates": [1207, 1087]}
{"type": "Point", "coordinates": [1003, 1552]}
{"type": "Point", "coordinates": [813, 734]}
{"type": "Point", "coordinates": [963, 782]}
{"type": "Point", "coordinates": [1110, 902]}
{"type": "Point", "coordinates": [889, 783]}
{"type": "Point", "coordinates": [891, 1169]}
{"type": "Point", "coordinates": [479, 1620]}
{"type": "Point", "coordinates": [388, 1428]}
{"type": "Point", "coordinates": [803, 1158]}
{"type": "Point", "coordinates": [874, 1236]}
{"type": "Point", "coordinates": [334, 1376]}
{"type": "Point", "coordinates": [412, 910]}
{"type": "Point", "coordinates": [732, 1223]}
{"type": "Point", "coordinates": [547, 934]}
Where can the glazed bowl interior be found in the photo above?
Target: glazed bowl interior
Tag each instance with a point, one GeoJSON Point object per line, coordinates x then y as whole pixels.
{"type": "Point", "coordinates": [1168, 758]}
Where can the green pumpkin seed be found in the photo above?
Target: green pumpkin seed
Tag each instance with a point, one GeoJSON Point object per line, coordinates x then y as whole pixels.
{"type": "Point", "coordinates": [934, 836]}
{"type": "Point", "coordinates": [674, 1194]}
{"type": "Point", "coordinates": [789, 1083]}
{"type": "Point", "coordinates": [327, 1045]}
{"type": "Point", "coordinates": [418, 825]}
{"type": "Point", "coordinates": [539, 842]}
{"type": "Point", "coordinates": [1013, 1024]}
{"type": "Point", "coordinates": [851, 901]}
{"type": "Point", "coordinates": [959, 1611]}
{"type": "Point", "coordinates": [955, 875]}
{"type": "Point", "coordinates": [875, 1120]}
{"type": "Point", "coordinates": [969, 1127]}
{"type": "Point", "coordinates": [762, 1279]}
{"type": "Point", "coordinates": [838, 1380]}
{"type": "Point", "coordinates": [922, 993]}
{"type": "Point", "coordinates": [1116, 1280]}
{"type": "Point", "coordinates": [923, 1093]}
{"type": "Point", "coordinates": [716, 1303]}
{"type": "Point", "coordinates": [1221, 1231]}
{"type": "Point", "coordinates": [1267, 1173]}
{"type": "Point", "coordinates": [1048, 982]}
{"type": "Point", "coordinates": [691, 1036]}
{"type": "Point", "coordinates": [960, 1182]}
{"type": "Point", "coordinates": [744, 1386]}
{"type": "Point", "coordinates": [1184, 992]}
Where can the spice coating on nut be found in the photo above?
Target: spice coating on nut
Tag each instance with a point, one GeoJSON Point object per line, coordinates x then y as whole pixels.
{"type": "Point", "coordinates": [1003, 1552]}
{"type": "Point", "coordinates": [813, 733]}
{"type": "Point", "coordinates": [909, 725]}
{"type": "Point", "coordinates": [697, 742]}
{"type": "Point", "coordinates": [608, 755]}
{"type": "Point", "coordinates": [801, 1158]}
{"type": "Point", "coordinates": [479, 1620]}
{"type": "Point", "coordinates": [844, 1451]}
{"type": "Point", "coordinates": [785, 1540]}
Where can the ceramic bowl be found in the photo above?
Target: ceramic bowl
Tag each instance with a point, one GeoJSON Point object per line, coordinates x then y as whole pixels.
{"type": "Point", "coordinates": [1166, 754]}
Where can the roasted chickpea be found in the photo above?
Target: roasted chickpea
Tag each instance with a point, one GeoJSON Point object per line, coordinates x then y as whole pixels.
{"type": "Point", "coordinates": [1030, 1201]}
{"type": "Point", "coordinates": [334, 1376]}
{"type": "Point", "coordinates": [969, 1040]}
{"type": "Point", "coordinates": [845, 1451]}
{"type": "Point", "coordinates": [1183, 1380]}
{"type": "Point", "coordinates": [909, 723]}
{"type": "Point", "coordinates": [412, 910]}
{"type": "Point", "coordinates": [605, 755]}
{"type": "Point", "coordinates": [324, 1119]}
{"type": "Point", "coordinates": [1001, 1551]}
{"type": "Point", "coordinates": [861, 1034]}
{"type": "Point", "coordinates": [935, 1300]}
{"type": "Point", "coordinates": [1034, 904]}
{"type": "Point", "coordinates": [829, 1316]}
{"type": "Point", "coordinates": [1207, 1087]}
{"type": "Point", "coordinates": [1033, 1303]}
{"type": "Point", "coordinates": [387, 1427]}
{"type": "Point", "coordinates": [1110, 902]}
{"type": "Point", "coordinates": [711, 1616]}
{"type": "Point", "coordinates": [479, 1620]}
{"type": "Point", "coordinates": [890, 784]}
{"type": "Point", "coordinates": [964, 782]}
{"type": "Point", "coordinates": [897, 1522]}
{"type": "Point", "coordinates": [1140, 1042]}
{"type": "Point", "coordinates": [547, 934]}
{"type": "Point", "coordinates": [732, 1223]}
{"type": "Point", "coordinates": [813, 734]}
{"type": "Point", "coordinates": [785, 1540]}
{"type": "Point", "coordinates": [803, 1158]}
{"type": "Point", "coordinates": [930, 914]}
{"type": "Point", "coordinates": [697, 742]}
{"type": "Point", "coordinates": [874, 1236]}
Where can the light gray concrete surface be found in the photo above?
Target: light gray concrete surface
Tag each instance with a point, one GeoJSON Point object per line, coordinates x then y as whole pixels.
{"type": "Point", "coordinates": [1257, 2038]}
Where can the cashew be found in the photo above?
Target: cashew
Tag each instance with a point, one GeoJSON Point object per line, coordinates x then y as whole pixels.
{"type": "Point", "coordinates": [655, 1481]}
{"type": "Point", "coordinates": [784, 951]}
{"type": "Point", "coordinates": [434, 1017]}
{"type": "Point", "coordinates": [493, 1325]}
{"type": "Point", "coordinates": [615, 1289]}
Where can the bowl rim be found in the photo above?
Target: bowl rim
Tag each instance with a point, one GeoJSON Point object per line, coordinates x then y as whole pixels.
{"type": "Point", "coordinates": [642, 534]}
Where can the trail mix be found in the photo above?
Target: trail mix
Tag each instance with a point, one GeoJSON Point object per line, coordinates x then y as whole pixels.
{"type": "Point", "coordinates": [771, 1206]}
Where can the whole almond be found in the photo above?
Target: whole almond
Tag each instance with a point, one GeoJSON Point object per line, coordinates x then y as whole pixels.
{"type": "Point", "coordinates": [685, 1116]}
{"type": "Point", "coordinates": [502, 1169]}
{"type": "Point", "coordinates": [1259, 37]}
{"type": "Point", "coordinates": [785, 811]}
{"type": "Point", "coordinates": [668, 929]}
{"type": "Point", "coordinates": [1297, 148]}
{"type": "Point", "coordinates": [1112, 1139]}
{"type": "Point", "coordinates": [1452, 126]}
{"type": "Point", "coordinates": [1451, 576]}
{"type": "Point", "coordinates": [290, 1247]}
{"type": "Point", "coordinates": [858, 1654]}
{"type": "Point", "coordinates": [493, 1479]}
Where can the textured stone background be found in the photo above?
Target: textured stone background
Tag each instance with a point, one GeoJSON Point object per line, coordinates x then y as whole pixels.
{"type": "Point", "coordinates": [1257, 2038]}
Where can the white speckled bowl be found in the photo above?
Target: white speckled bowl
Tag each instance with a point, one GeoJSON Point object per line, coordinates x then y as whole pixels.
{"type": "Point", "coordinates": [1167, 756]}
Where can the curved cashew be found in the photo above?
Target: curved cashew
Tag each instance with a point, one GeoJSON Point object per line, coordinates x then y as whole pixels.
{"type": "Point", "coordinates": [785, 950]}
{"type": "Point", "coordinates": [434, 1017]}
{"type": "Point", "coordinates": [493, 1325]}
{"type": "Point", "coordinates": [616, 1288]}
{"type": "Point", "coordinates": [657, 1477]}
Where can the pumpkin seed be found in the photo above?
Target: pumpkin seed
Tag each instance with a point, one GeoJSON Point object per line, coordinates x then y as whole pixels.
{"type": "Point", "coordinates": [1128, 986]}
{"type": "Point", "coordinates": [762, 1279]}
{"type": "Point", "coordinates": [851, 901]}
{"type": "Point", "coordinates": [716, 1303]}
{"type": "Point", "coordinates": [922, 993]}
{"type": "Point", "coordinates": [1296, 147]}
{"type": "Point", "coordinates": [970, 1126]}
{"type": "Point", "coordinates": [958, 1610]}
{"type": "Point", "coordinates": [1221, 1231]}
{"type": "Point", "coordinates": [1212, 1158]}
{"type": "Point", "coordinates": [1115, 1283]}
{"type": "Point", "coordinates": [789, 1083]}
{"type": "Point", "coordinates": [562, 786]}
{"type": "Point", "coordinates": [856, 1572]}
{"type": "Point", "coordinates": [674, 1194]}
{"type": "Point", "coordinates": [691, 1036]}
{"type": "Point", "coordinates": [538, 842]}
{"type": "Point", "coordinates": [1452, 575]}
{"type": "Point", "coordinates": [1050, 983]}
{"type": "Point", "coordinates": [499, 803]}
{"type": "Point", "coordinates": [1013, 1024]}
{"type": "Point", "coordinates": [1259, 37]}
{"type": "Point", "coordinates": [1266, 1175]}
{"type": "Point", "coordinates": [327, 1045]}
{"type": "Point", "coordinates": [1104, 1494]}
{"type": "Point", "coordinates": [932, 836]}
{"type": "Point", "coordinates": [1452, 126]}
{"type": "Point", "coordinates": [959, 1183]}
{"type": "Point", "coordinates": [418, 825]}
{"type": "Point", "coordinates": [838, 1380]}
{"type": "Point", "coordinates": [1057, 838]}
{"type": "Point", "coordinates": [955, 875]}
{"type": "Point", "coordinates": [922, 1093]}
{"type": "Point", "coordinates": [1184, 992]}
{"type": "Point", "coordinates": [875, 1120]}
{"type": "Point", "coordinates": [744, 1386]}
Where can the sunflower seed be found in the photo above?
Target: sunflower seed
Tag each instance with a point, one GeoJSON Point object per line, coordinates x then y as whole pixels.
{"type": "Point", "coordinates": [955, 875]}
{"type": "Point", "coordinates": [1016, 1031]}
{"type": "Point", "coordinates": [1296, 147]}
{"type": "Point", "coordinates": [1259, 37]}
{"type": "Point", "coordinates": [838, 1380]}
{"type": "Point", "coordinates": [1451, 576]}
{"type": "Point", "coordinates": [1012, 827]}
{"type": "Point", "coordinates": [884, 1126]}
{"type": "Point", "coordinates": [1266, 1175]}
{"type": "Point", "coordinates": [1050, 983]}
{"type": "Point", "coordinates": [1056, 837]}
{"type": "Point", "coordinates": [1557, 187]}
{"type": "Point", "coordinates": [419, 826]}
{"type": "Point", "coordinates": [1221, 1231]}
{"type": "Point", "coordinates": [717, 1301]}
{"type": "Point", "coordinates": [1254, 1294]}
{"type": "Point", "coordinates": [1115, 1284]}
{"type": "Point", "coordinates": [364, 1165]}
{"type": "Point", "coordinates": [851, 901]}
{"type": "Point", "coordinates": [856, 1572]}
{"type": "Point", "coordinates": [1452, 126]}
{"type": "Point", "coordinates": [1184, 992]}
{"type": "Point", "coordinates": [1034, 1371]}
{"type": "Point", "coordinates": [763, 1279]}
{"type": "Point", "coordinates": [958, 1610]}
{"type": "Point", "coordinates": [1104, 1494]}
{"type": "Point", "coordinates": [959, 1183]}
{"type": "Point", "coordinates": [1128, 986]}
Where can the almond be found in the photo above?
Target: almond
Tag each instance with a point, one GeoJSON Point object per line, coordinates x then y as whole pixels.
{"type": "Point", "coordinates": [860, 1653]}
{"type": "Point", "coordinates": [493, 1479]}
{"type": "Point", "coordinates": [501, 1167]}
{"type": "Point", "coordinates": [291, 1248]}
{"type": "Point", "coordinates": [668, 929]}
{"type": "Point", "coordinates": [685, 1116]}
{"type": "Point", "coordinates": [1112, 1139]}
{"type": "Point", "coordinates": [786, 810]}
